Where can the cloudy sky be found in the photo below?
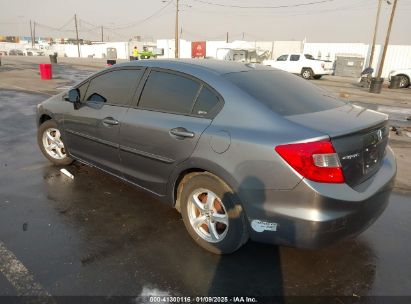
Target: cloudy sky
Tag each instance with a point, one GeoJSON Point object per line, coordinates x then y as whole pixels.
{"type": "Point", "coordinates": [314, 20]}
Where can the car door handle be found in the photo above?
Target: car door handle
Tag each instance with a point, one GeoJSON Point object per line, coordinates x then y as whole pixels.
{"type": "Point", "coordinates": [182, 132]}
{"type": "Point", "coordinates": [110, 121]}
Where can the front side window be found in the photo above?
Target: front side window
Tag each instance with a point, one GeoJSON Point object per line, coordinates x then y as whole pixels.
{"type": "Point", "coordinates": [294, 57]}
{"type": "Point", "coordinates": [167, 92]}
{"type": "Point", "coordinates": [282, 58]}
{"type": "Point", "coordinates": [114, 87]}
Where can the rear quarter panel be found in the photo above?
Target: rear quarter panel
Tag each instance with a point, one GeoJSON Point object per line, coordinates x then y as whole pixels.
{"type": "Point", "coordinates": [240, 143]}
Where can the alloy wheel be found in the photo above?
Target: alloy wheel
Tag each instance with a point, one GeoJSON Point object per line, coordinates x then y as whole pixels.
{"type": "Point", "coordinates": [53, 143]}
{"type": "Point", "coordinates": [208, 216]}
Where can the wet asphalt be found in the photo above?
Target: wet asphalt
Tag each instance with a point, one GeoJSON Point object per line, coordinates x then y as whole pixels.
{"type": "Point", "coordinates": [97, 235]}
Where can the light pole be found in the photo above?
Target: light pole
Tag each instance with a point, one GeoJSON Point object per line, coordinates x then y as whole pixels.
{"type": "Point", "coordinates": [387, 39]}
{"type": "Point", "coordinates": [177, 42]}
{"type": "Point", "coordinates": [177, 53]}
{"type": "Point", "coordinates": [375, 33]}
{"type": "Point", "coordinates": [376, 83]}
{"type": "Point", "coordinates": [377, 19]}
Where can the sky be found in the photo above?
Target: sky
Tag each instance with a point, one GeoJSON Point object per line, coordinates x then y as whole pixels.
{"type": "Point", "coordinates": [253, 20]}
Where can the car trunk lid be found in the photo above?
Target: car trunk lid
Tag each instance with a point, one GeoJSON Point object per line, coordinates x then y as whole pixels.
{"type": "Point", "coordinates": [359, 136]}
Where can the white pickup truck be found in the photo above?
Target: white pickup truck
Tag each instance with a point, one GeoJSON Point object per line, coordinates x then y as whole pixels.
{"type": "Point", "coordinates": [302, 64]}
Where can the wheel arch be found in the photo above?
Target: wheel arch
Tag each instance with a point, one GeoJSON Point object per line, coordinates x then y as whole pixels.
{"type": "Point", "coordinates": [307, 68]}
{"type": "Point", "coordinates": [43, 118]}
{"type": "Point", "coordinates": [194, 166]}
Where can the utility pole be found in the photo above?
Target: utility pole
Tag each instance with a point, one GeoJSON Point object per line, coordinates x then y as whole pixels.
{"type": "Point", "coordinates": [177, 52]}
{"type": "Point", "coordinates": [226, 39]}
{"type": "Point", "coordinates": [31, 35]}
{"type": "Point", "coordinates": [102, 34]}
{"type": "Point", "coordinates": [78, 41]}
{"type": "Point", "coordinates": [242, 38]}
{"type": "Point", "coordinates": [34, 33]}
{"type": "Point", "coordinates": [375, 33]}
{"type": "Point", "coordinates": [387, 39]}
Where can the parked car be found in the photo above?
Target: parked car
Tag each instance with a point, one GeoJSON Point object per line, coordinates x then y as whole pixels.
{"type": "Point", "coordinates": [34, 52]}
{"type": "Point", "coordinates": [16, 52]}
{"type": "Point", "coordinates": [302, 64]}
{"type": "Point", "coordinates": [236, 148]}
{"type": "Point", "coordinates": [405, 75]}
{"type": "Point", "coordinates": [3, 53]}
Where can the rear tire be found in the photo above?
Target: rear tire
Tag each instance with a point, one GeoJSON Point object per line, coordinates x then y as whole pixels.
{"type": "Point", "coordinates": [317, 76]}
{"type": "Point", "coordinates": [212, 213]}
{"type": "Point", "coordinates": [51, 144]}
{"type": "Point", "coordinates": [307, 73]}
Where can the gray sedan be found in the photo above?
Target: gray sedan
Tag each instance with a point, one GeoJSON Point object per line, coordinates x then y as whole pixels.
{"type": "Point", "coordinates": [243, 151]}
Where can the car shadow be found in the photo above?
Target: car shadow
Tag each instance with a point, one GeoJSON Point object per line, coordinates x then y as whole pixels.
{"type": "Point", "coordinates": [124, 242]}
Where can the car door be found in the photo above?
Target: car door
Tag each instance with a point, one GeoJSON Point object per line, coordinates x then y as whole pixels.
{"type": "Point", "coordinates": [294, 64]}
{"type": "Point", "coordinates": [92, 131]}
{"type": "Point", "coordinates": [162, 131]}
{"type": "Point", "coordinates": [281, 62]}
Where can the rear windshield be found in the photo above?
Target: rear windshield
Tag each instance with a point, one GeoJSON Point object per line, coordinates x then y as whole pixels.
{"type": "Point", "coordinates": [284, 93]}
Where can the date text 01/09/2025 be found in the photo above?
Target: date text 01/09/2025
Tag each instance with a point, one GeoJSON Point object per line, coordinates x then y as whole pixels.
{"type": "Point", "coordinates": [171, 299]}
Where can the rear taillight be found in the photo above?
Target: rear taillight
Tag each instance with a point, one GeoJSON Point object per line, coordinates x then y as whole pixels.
{"type": "Point", "coordinates": [316, 160]}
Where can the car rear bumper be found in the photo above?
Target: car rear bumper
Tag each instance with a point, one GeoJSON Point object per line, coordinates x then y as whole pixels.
{"type": "Point", "coordinates": [314, 215]}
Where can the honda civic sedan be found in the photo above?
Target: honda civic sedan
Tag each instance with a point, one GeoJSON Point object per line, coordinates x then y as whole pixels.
{"type": "Point", "coordinates": [242, 151]}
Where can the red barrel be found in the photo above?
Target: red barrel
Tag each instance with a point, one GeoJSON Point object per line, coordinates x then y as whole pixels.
{"type": "Point", "coordinates": [45, 71]}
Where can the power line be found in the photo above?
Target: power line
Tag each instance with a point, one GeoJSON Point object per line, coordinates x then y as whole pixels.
{"type": "Point", "coordinates": [143, 20]}
{"type": "Point", "coordinates": [361, 6]}
{"type": "Point", "coordinates": [66, 24]}
{"type": "Point", "coordinates": [263, 7]}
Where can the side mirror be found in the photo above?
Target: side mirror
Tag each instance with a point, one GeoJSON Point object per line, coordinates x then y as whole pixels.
{"type": "Point", "coordinates": [74, 97]}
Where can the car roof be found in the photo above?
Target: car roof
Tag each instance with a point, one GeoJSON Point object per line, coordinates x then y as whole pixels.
{"type": "Point", "coordinates": [188, 65]}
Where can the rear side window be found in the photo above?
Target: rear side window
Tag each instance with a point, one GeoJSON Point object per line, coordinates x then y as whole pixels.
{"type": "Point", "coordinates": [282, 58]}
{"type": "Point", "coordinates": [284, 93]}
{"type": "Point", "coordinates": [114, 87]}
{"type": "Point", "coordinates": [294, 57]}
{"type": "Point", "coordinates": [167, 92]}
{"type": "Point", "coordinates": [205, 103]}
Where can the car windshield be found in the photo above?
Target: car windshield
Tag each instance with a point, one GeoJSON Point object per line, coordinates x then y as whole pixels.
{"type": "Point", "coordinates": [284, 93]}
{"type": "Point", "coordinates": [308, 56]}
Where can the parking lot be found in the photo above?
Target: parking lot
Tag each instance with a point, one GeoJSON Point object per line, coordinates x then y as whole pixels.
{"type": "Point", "coordinates": [98, 236]}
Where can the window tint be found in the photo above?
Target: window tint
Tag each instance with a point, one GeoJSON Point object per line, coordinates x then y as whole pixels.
{"type": "Point", "coordinates": [114, 87]}
{"type": "Point", "coordinates": [282, 58]}
{"type": "Point", "coordinates": [308, 56]}
{"type": "Point", "coordinates": [206, 101]}
{"type": "Point", "coordinates": [294, 57]}
{"type": "Point", "coordinates": [284, 93]}
{"type": "Point", "coordinates": [168, 92]}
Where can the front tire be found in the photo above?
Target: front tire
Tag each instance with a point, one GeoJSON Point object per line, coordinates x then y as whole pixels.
{"type": "Point", "coordinates": [51, 144]}
{"type": "Point", "coordinates": [212, 213]}
{"type": "Point", "coordinates": [307, 73]}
